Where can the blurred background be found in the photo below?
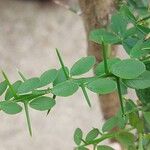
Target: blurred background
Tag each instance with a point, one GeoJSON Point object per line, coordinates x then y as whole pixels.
{"type": "Point", "coordinates": [30, 30]}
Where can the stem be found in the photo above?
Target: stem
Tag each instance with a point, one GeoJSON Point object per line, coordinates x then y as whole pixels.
{"type": "Point", "coordinates": [22, 76]}
{"type": "Point", "coordinates": [28, 118]}
{"type": "Point", "coordinates": [10, 85]}
{"type": "Point", "coordinates": [26, 108]}
{"type": "Point", "coordinates": [120, 96]}
{"type": "Point", "coordinates": [142, 19]}
{"type": "Point", "coordinates": [62, 64]}
{"type": "Point", "coordinates": [105, 57]}
{"type": "Point", "coordinates": [86, 95]}
{"type": "Point", "coordinates": [105, 136]}
{"type": "Point", "coordinates": [140, 142]}
{"type": "Point", "coordinates": [94, 146]}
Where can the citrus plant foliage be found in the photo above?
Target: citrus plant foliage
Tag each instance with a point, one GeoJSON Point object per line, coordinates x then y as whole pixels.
{"type": "Point", "coordinates": [113, 74]}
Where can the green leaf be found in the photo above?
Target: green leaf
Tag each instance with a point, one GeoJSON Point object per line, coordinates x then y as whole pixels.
{"type": "Point", "coordinates": [126, 139]}
{"type": "Point", "coordinates": [48, 77]}
{"type": "Point", "coordinates": [9, 93]}
{"type": "Point", "coordinates": [121, 121]}
{"type": "Point", "coordinates": [61, 77]}
{"type": "Point", "coordinates": [10, 107]}
{"type": "Point", "coordinates": [3, 87]}
{"type": "Point", "coordinates": [127, 13]}
{"type": "Point", "coordinates": [141, 82]}
{"type": "Point", "coordinates": [140, 49]}
{"type": "Point", "coordinates": [143, 29]}
{"type": "Point", "coordinates": [136, 122]}
{"type": "Point", "coordinates": [118, 24]}
{"type": "Point", "coordinates": [78, 134]}
{"type": "Point", "coordinates": [128, 69]}
{"type": "Point", "coordinates": [110, 124]}
{"type": "Point", "coordinates": [65, 89]}
{"type": "Point", "coordinates": [83, 65]}
{"type": "Point", "coordinates": [129, 43]}
{"type": "Point", "coordinates": [130, 106]}
{"type": "Point", "coordinates": [92, 135]}
{"type": "Point", "coordinates": [104, 147]}
{"type": "Point", "coordinates": [42, 103]}
{"type": "Point", "coordinates": [124, 88]}
{"type": "Point", "coordinates": [102, 86]}
{"type": "Point", "coordinates": [101, 35]}
{"type": "Point", "coordinates": [100, 69]}
{"type": "Point", "coordinates": [29, 85]}
{"type": "Point", "coordinates": [147, 116]}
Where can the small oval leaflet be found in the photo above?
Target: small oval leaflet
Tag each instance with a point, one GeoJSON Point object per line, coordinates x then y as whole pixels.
{"type": "Point", "coordinates": [29, 85]}
{"type": "Point", "coordinates": [92, 135]}
{"type": "Point", "coordinates": [104, 147]}
{"type": "Point", "coordinates": [102, 86]}
{"type": "Point", "coordinates": [3, 87]}
{"type": "Point", "coordinates": [141, 82]}
{"type": "Point", "coordinates": [48, 77]}
{"type": "Point", "coordinates": [128, 68]}
{"type": "Point", "coordinates": [9, 93]}
{"type": "Point", "coordinates": [78, 134]}
{"type": "Point", "coordinates": [101, 35]}
{"type": "Point", "coordinates": [65, 89]}
{"type": "Point", "coordinates": [83, 65]}
{"type": "Point", "coordinates": [10, 107]}
{"type": "Point", "coordinates": [42, 103]}
{"type": "Point", "coordinates": [126, 139]}
{"type": "Point", "coordinates": [110, 124]}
